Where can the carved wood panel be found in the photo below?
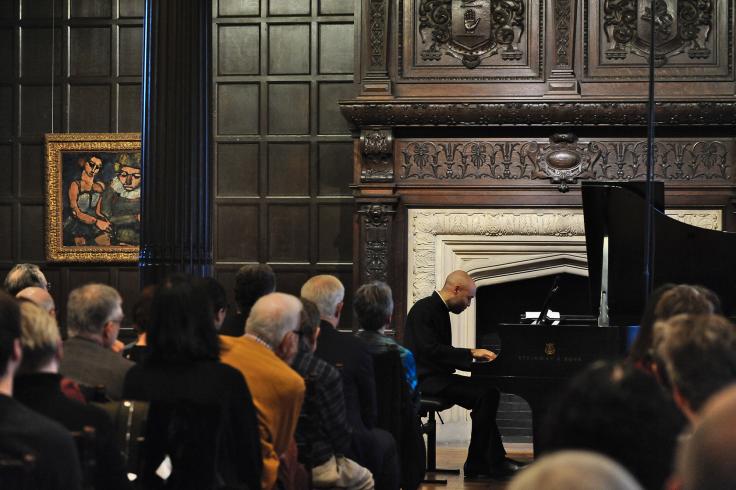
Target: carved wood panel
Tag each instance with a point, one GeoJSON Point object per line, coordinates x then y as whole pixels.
{"type": "Point", "coordinates": [471, 39]}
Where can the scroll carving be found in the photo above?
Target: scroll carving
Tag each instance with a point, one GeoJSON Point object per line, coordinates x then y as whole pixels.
{"type": "Point", "coordinates": [472, 30]}
{"type": "Point", "coordinates": [377, 149]}
{"type": "Point", "coordinates": [564, 159]}
{"type": "Point", "coordinates": [680, 26]}
{"type": "Point", "coordinates": [375, 220]}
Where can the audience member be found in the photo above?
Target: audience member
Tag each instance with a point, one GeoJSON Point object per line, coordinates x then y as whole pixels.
{"type": "Point", "coordinates": [263, 356]}
{"type": "Point", "coordinates": [621, 412]}
{"type": "Point", "coordinates": [137, 351]}
{"type": "Point", "coordinates": [23, 431]}
{"type": "Point", "coordinates": [707, 459]}
{"type": "Point", "coordinates": [371, 447]}
{"type": "Point", "coordinates": [213, 290]}
{"type": "Point", "coordinates": [698, 354]}
{"type": "Point", "coordinates": [251, 282]}
{"type": "Point", "coordinates": [574, 470]}
{"type": "Point", "coordinates": [323, 426]}
{"type": "Point", "coordinates": [40, 297]}
{"type": "Point", "coordinates": [182, 378]}
{"type": "Point", "coordinates": [665, 302]}
{"type": "Point", "coordinates": [374, 305]}
{"type": "Point", "coordinates": [38, 386]}
{"type": "Point", "coordinates": [94, 314]}
{"type": "Point", "coordinates": [22, 276]}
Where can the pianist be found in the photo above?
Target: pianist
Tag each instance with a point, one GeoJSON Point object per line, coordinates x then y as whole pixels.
{"type": "Point", "coordinates": [428, 335]}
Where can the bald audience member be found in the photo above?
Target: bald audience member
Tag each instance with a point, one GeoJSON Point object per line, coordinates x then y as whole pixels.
{"type": "Point", "coordinates": [263, 355]}
{"type": "Point", "coordinates": [708, 458]}
{"type": "Point", "coordinates": [574, 470]}
{"type": "Point", "coordinates": [428, 334]}
{"type": "Point", "coordinates": [22, 276]}
{"type": "Point", "coordinates": [698, 355]}
{"type": "Point", "coordinates": [40, 297]}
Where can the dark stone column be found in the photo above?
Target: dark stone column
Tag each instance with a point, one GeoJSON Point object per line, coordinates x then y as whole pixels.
{"type": "Point", "coordinates": [176, 232]}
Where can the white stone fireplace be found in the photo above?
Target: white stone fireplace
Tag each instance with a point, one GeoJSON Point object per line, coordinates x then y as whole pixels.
{"type": "Point", "coordinates": [496, 246]}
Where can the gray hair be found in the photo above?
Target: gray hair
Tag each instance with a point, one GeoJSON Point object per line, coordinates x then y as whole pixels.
{"type": "Point", "coordinates": [273, 316]}
{"type": "Point", "coordinates": [38, 296]}
{"type": "Point", "coordinates": [90, 307]}
{"type": "Point", "coordinates": [325, 291]}
{"type": "Point", "coordinates": [373, 304]}
{"type": "Point", "coordinates": [39, 336]}
{"type": "Point", "coordinates": [574, 470]}
{"type": "Point", "coordinates": [22, 276]}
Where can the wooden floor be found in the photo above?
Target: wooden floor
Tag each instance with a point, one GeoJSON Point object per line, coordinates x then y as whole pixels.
{"type": "Point", "coordinates": [454, 457]}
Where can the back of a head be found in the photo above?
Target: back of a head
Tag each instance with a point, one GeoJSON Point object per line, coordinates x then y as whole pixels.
{"type": "Point", "coordinates": [213, 290]}
{"type": "Point", "coordinates": [458, 278]}
{"type": "Point", "coordinates": [22, 276]}
{"type": "Point", "coordinates": [698, 353]}
{"type": "Point", "coordinates": [373, 304]}
{"type": "Point", "coordinates": [38, 296]}
{"type": "Point", "coordinates": [308, 324]}
{"type": "Point", "coordinates": [273, 316]}
{"type": "Point", "coordinates": [182, 328]}
{"type": "Point", "coordinates": [685, 298]}
{"type": "Point", "coordinates": [621, 412]}
{"type": "Point", "coordinates": [574, 470]}
{"type": "Point", "coordinates": [141, 311]}
{"type": "Point", "coordinates": [39, 338]}
{"type": "Point", "coordinates": [325, 291]}
{"type": "Point", "coordinates": [90, 307]}
{"type": "Point", "coordinates": [9, 329]}
{"type": "Point", "coordinates": [708, 457]}
{"type": "Point", "coordinates": [251, 282]}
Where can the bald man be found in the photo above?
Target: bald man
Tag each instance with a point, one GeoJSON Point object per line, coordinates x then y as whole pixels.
{"type": "Point", "coordinates": [40, 297]}
{"type": "Point", "coordinates": [428, 334]}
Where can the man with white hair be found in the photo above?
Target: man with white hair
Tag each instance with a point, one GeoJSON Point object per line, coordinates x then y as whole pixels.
{"type": "Point", "coordinates": [94, 314]}
{"type": "Point", "coordinates": [40, 297]}
{"type": "Point", "coordinates": [263, 355]}
{"type": "Point", "coordinates": [371, 447]}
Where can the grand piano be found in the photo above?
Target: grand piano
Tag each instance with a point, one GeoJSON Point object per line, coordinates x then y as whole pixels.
{"type": "Point", "coordinates": [535, 361]}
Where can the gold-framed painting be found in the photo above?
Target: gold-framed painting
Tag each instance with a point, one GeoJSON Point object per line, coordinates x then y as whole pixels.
{"type": "Point", "coordinates": [93, 189]}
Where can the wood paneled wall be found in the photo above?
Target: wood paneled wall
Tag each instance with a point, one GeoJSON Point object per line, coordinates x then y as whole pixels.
{"type": "Point", "coordinates": [282, 153]}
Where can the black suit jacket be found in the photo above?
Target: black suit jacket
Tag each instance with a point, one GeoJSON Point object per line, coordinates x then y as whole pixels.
{"type": "Point", "coordinates": [24, 431]}
{"type": "Point", "coordinates": [351, 356]}
{"type": "Point", "coordinates": [428, 334]}
{"type": "Point", "coordinates": [42, 393]}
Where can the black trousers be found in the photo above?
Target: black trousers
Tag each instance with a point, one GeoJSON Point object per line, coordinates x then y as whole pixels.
{"type": "Point", "coordinates": [486, 448]}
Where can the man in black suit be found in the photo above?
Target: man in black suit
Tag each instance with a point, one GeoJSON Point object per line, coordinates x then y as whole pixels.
{"type": "Point", "coordinates": [428, 334]}
{"type": "Point", "coordinates": [23, 431]}
{"type": "Point", "coordinates": [371, 447]}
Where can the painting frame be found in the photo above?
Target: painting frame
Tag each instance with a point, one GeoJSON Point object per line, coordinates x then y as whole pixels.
{"type": "Point", "coordinates": [63, 152]}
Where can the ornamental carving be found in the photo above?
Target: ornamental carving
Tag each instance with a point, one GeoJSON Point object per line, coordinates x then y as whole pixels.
{"type": "Point", "coordinates": [564, 160]}
{"type": "Point", "coordinates": [377, 148]}
{"type": "Point", "coordinates": [471, 30]}
{"type": "Point", "coordinates": [680, 26]}
{"type": "Point", "coordinates": [376, 32]}
{"type": "Point", "coordinates": [537, 113]}
{"type": "Point", "coordinates": [375, 222]}
{"type": "Point", "coordinates": [562, 31]}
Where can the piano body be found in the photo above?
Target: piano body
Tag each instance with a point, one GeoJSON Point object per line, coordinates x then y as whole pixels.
{"type": "Point", "coordinates": [536, 361]}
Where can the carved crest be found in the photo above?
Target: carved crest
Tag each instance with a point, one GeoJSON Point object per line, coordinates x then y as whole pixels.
{"type": "Point", "coordinates": [471, 30]}
{"type": "Point", "coordinates": [680, 26]}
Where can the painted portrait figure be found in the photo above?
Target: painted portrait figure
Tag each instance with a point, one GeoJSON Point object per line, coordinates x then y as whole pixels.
{"type": "Point", "coordinates": [120, 202]}
{"type": "Point", "coordinates": [82, 226]}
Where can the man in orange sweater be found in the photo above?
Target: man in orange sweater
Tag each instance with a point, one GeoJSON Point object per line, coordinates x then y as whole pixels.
{"type": "Point", "coordinates": [263, 355]}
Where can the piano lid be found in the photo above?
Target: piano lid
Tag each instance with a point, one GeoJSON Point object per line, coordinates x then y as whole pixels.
{"type": "Point", "coordinates": [682, 253]}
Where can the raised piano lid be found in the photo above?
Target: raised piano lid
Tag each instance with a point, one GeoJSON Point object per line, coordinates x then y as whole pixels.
{"type": "Point", "coordinates": [682, 253]}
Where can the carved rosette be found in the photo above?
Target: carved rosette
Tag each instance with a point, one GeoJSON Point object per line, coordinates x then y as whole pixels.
{"type": "Point", "coordinates": [472, 30]}
{"type": "Point", "coordinates": [375, 240]}
{"type": "Point", "coordinates": [376, 146]}
{"type": "Point", "coordinates": [680, 26]}
{"type": "Point", "coordinates": [564, 160]}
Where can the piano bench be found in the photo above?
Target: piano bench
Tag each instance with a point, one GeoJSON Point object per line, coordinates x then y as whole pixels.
{"type": "Point", "coordinates": [429, 407]}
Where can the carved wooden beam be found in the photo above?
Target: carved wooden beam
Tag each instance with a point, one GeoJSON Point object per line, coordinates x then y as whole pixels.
{"type": "Point", "coordinates": [374, 39]}
{"type": "Point", "coordinates": [562, 78]}
{"type": "Point", "coordinates": [376, 147]}
{"type": "Point", "coordinates": [375, 239]}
